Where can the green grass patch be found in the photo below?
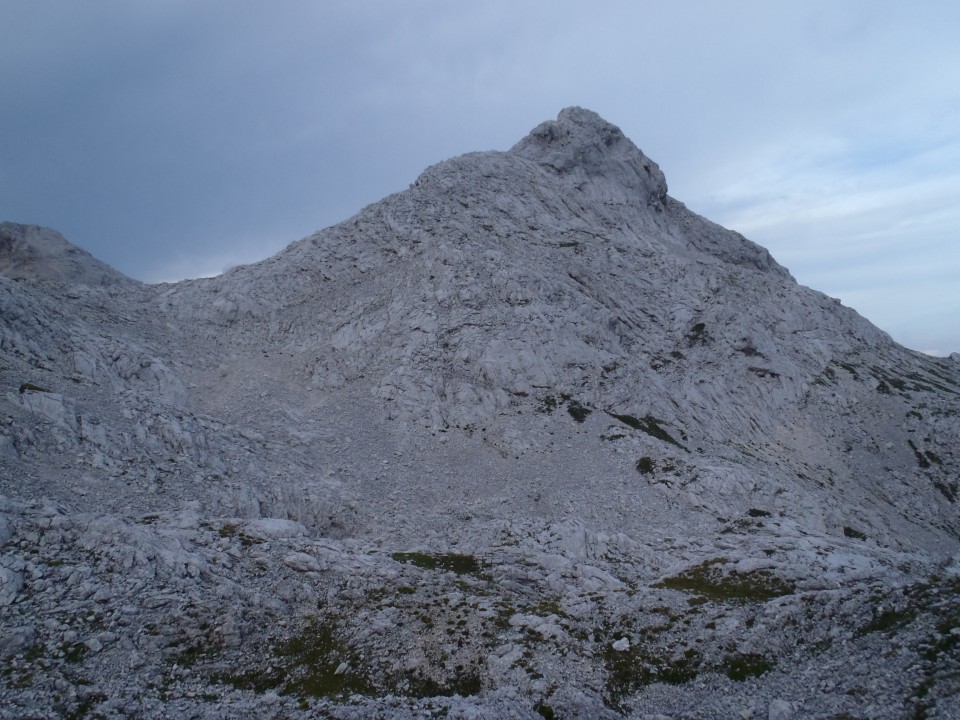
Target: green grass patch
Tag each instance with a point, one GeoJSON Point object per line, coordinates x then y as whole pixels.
{"type": "Point", "coordinates": [545, 711]}
{"type": "Point", "coordinates": [922, 460]}
{"type": "Point", "coordinates": [853, 534]}
{"type": "Point", "coordinates": [30, 387]}
{"type": "Point", "coordinates": [548, 405]}
{"type": "Point", "coordinates": [888, 621]}
{"type": "Point", "coordinates": [698, 335]}
{"type": "Point", "coordinates": [75, 653]}
{"type": "Point", "coordinates": [306, 666]}
{"type": "Point", "coordinates": [739, 666]}
{"type": "Point", "coordinates": [230, 530]}
{"type": "Point", "coordinates": [82, 707]}
{"type": "Point", "coordinates": [850, 369]}
{"type": "Point", "coordinates": [193, 654]}
{"type": "Point", "coordinates": [545, 607]}
{"type": "Point", "coordinates": [949, 491]}
{"type": "Point", "coordinates": [422, 686]}
{"type": "Point", "coordinates": [313, 657]}
{"type": "Point", "coordinates": [650, 425]}
{"type": "Point", "coordinates": [827, 377]}
{"type": "Point", "coordinates": [634, 669]}
{"type": "Point", "coordinates": [577, 411]}
{"type": "Point", "coordinates": [709, 580]}
{"type": "Point", "coordinates": [645, 465]}
{"type": "Point", "coordinates": [453, 562]}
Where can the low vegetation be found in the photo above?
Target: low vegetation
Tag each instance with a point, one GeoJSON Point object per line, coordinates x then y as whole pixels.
{"type": "Point", "coordinates": [711, 581]}
{"type": "Point", "coordinates": [453, 562]}
{"type": "Point", "coordinates": [650, 425]}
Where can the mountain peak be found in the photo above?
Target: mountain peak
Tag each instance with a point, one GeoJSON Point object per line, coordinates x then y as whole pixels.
{"type": "Point", "coordinates": [530, 436]}
{"type": "Point", "coordinates": [593, 154]}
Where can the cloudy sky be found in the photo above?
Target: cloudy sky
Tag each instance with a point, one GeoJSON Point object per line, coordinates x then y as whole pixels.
{"type": "Point", "coordinates": [175, 138]}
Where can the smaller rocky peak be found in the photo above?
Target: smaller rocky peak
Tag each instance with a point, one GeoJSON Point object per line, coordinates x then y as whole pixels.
{"type": "Point", "coordinates": [594, 155]}
{"type": "Point", "coordinates": [39, 253]}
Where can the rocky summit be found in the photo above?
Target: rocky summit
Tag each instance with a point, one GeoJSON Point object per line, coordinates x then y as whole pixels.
{"type": "Point", "coordinates": [529, 439]}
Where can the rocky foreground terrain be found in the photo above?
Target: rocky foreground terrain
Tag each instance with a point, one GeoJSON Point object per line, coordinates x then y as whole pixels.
{"type": "Point", "coordinates": [529, 439]}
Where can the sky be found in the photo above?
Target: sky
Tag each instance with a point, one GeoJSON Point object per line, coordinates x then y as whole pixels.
{"type": "Point", "coordinates": [176, 138]}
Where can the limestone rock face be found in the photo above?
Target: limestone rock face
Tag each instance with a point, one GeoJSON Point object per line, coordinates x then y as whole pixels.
{"type": "Point", "coordinates": [29, 251]}
{"type": "Point", "coordinates": [528, 435]}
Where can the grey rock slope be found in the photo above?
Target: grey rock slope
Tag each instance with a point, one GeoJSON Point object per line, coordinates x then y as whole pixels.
{"type": "Point", "coordinates": [528, 439]}
{"type": "Point", "coordinates": [28, 251]}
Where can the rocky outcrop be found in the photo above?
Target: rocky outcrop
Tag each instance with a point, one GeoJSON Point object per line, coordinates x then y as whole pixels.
{"type": "Point", "coordinates": [32, 252]}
